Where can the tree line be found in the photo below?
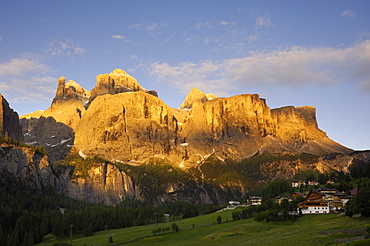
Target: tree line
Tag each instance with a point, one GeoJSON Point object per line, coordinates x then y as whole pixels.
{"type": "Point", "coordinates": [27, 215]}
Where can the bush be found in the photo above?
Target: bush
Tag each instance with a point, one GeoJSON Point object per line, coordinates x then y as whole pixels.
{"type": "Point", "coordinates": [175, 227]}
{"type": "Point", "coordinates": [219, 219]}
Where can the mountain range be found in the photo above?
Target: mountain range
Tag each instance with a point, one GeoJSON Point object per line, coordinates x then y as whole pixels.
{"type": "Point", "coordinates": [106, 145]}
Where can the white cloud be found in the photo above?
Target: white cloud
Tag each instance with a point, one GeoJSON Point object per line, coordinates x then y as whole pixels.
{"type": "Point", "coordinates": [26, 79]}
{"type": "Point", "coordinates": [200, 25]}
{"type": "Point", "coordinates": [135, 26]}
{"type": "Point", "coordinates": [296, 66]}
{"type": "Point", "coordinates": [227, 23]}
{"type": "Point", "coordinates": [79, 50]}
{"type": "Point", "coordinates": [263, 21]}
{"type": "Point", "coordinates": [65, 48]}
{"type": "Point", "coordinates": [118, 37]}
{"type": "Point", "coordinates": [21, 66]}
{"type": "Point", "coordinates": [150, 28]}
{"type": "Point", "coordinates": [349, 14]}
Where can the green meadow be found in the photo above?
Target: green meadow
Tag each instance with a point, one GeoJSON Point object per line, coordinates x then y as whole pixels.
{"type": "Point", "coordinates": [204, 230]}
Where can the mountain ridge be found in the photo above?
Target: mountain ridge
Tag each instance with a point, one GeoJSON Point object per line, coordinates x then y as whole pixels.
{"type": "Point", "coordinates": [143, 126]}
{"type": "Point", "coordinates": [131, 128]}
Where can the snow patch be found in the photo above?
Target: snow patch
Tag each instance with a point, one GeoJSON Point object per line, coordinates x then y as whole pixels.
{"type": "Point", "coordinates": [82, 154]}
{"type": "Point", "coordinates": [31, 143]}
{"type": "Point", "coordinates": [184, 144]}
{"type": "Point", "coordinates": [66, 140]}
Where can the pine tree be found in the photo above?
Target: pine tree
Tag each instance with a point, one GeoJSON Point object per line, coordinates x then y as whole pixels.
{"type": "Point", "coordinates": [14, 239]}
{"type": "Point", "coordinates": [88, 231]}
{"type": "Point", "coordinates": [2, 236]}
{"type": "Point", "coordinates": [28, 239]}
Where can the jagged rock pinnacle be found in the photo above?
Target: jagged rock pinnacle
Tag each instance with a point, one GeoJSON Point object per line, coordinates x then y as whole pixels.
{"type": "Point", "coordinates": [116, 82]}
{"type": "Point", "coordinates": [196, 96]}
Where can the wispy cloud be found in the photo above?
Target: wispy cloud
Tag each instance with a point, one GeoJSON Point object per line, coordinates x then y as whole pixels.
{"type": "Point", "coordinates": [135, 26]}
{"type": "Point", "coordinates": [65, 48]}
{"type": "Point", "coordinates": [201, 25]}
{"type": "Point", "coordinates": [21, 66]}
{"type": "Point", "coordinates": [296, 66]}
{"type": "Point", "coordinates": [123, 38]}
{"type": "Point", "coordinates": [227, 23]}
{"type": "Point", "coordinates": [118, 37]}
{"type": "Point", "coordinates": [26, 79]}
{"type": "Point", "coordinates": [349, 14]}
{"type": "Point", "coordinates": [263, 21]}
{"type": "Point", "coordinates": [152, 28]}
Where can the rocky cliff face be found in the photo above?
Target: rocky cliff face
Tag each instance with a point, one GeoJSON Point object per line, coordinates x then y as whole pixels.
{"type": "Point", "coordinates": [9, 121]}
{"type": "Point", "coordinates": [130, 126]}
{"type": "Point", "coordinates": [54, 128]}
{"type": "Point", "coordinates": [69, 103]}
{"type": "Point", "coordinates": [116, 82]}
{"type": "Point", "coordinates": [196, 96]}
{"type": "Point", "coordinates": [27, 165]}
{"type": "Point", "coordinates": [137, 126]}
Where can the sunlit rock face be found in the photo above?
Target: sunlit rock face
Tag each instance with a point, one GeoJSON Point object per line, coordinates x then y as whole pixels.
{"type": "Point", "coordinates": [196, 96]}
{"type": "Point", "coordinates": [125, 123]}
{"type": "Point", "coordinates": [127, 126]}
{"type": "Point", "coordinates": [69, 103]}
{"type": "Point", "coordinates": [54, 128]}
{"type": "Point", "coordinates": [9, 121]}
{"type": "Point", "coordinates": [122, 121]}
{"type": "Point", "coordinates": [116, 82]}
{"type": "Point", "coordinates": [137, 126]}
{"type": "Point", "coordinates": [298, 128]}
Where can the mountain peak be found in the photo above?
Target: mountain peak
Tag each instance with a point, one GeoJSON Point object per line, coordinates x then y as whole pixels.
{"type": "Point", "coordinates": [196, 96]}
{"type": "Point", "coordinates": [118, 71]}
{"type": "Point", "coordinates": [9, 121]}
{"type": "Point", "coordinates": [70, 90]}
{"type": "Point", "coordinates": [118, 81]}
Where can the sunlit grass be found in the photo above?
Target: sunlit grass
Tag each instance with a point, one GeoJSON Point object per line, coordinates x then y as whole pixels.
{"type": "Point", "coordinates": [206, 231]}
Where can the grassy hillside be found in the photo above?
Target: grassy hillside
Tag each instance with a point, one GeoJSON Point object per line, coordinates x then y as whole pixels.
{"type": "Point", "coordinates": [204, 230]}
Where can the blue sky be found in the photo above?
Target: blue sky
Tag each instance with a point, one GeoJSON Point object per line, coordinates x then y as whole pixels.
{"type": "Point", "coordinates": [289, 52]}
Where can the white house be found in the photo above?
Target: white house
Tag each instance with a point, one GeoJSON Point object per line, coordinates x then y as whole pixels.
{"type": "Point", "coordinates": [254, 201]}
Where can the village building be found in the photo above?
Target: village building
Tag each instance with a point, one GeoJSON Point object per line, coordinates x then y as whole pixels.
{"type": "Point", "coordinates": [322, 201]}
{"type": "Point", "coordinates": [313, 182]}
{"type": "Point", "coordinates": [254, 201]}
{"type": "Point", "coordinates": [297, 184]}
{"type": "Point", "coordinates": [314, 203]}
{"type": "Point", "coordinates": [280, 199]}
{"type": "Point", "coordinates": [233, 204]}
{"type": "Point", "coordinates": [297, 194]}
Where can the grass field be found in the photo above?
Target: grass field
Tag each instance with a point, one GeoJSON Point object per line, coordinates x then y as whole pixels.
{"type": "Point", "coordinates": [206, 231]}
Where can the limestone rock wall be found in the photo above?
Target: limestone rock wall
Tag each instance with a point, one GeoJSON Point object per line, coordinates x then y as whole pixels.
{"type": "Point", "coordinates": [137, 126]}
{"type": "Point", "coordinates": [9, 121]}
{"type": "Point", "coordinates": [27, 165]}
{"type": "Point", "coordinates": [116, 82]}
{"type": "Point", "coordinates": [127, 126]}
